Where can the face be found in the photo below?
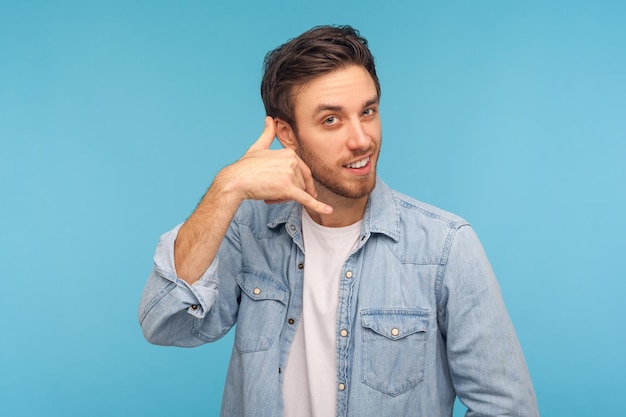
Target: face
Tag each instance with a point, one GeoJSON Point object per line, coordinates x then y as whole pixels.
{"type": "Point", "coordinates": [339, 132]}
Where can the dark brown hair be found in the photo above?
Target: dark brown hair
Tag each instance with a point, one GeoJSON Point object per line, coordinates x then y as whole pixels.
{"type": "Point", "coordinates": [316, 52]}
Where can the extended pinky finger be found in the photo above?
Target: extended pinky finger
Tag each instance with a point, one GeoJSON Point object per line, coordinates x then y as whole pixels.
{"type": "Point", "coordinates": [311, 203]}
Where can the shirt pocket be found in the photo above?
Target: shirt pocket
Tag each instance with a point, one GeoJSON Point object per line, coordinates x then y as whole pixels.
{"type": "Point", "coordinates": [394, 344]}
{"type": "Point", "coordinates": [262, 309]}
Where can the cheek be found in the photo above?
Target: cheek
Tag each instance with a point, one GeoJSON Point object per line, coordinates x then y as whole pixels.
{"type": "Point", "coordinates": [373, 130]}
{"type": "Point", "coordinates": [377, 130]}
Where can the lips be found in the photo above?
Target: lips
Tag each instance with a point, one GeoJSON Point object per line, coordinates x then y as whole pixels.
{"type": "Point", "coordinates": [358, 164]}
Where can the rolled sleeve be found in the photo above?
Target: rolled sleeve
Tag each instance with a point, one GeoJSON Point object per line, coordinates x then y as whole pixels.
{"type": "Point", "coordinates": [168, 304]}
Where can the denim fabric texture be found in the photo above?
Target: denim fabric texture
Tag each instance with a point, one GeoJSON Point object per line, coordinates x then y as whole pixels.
{"type": "Point", "coordinates": [422, 308]}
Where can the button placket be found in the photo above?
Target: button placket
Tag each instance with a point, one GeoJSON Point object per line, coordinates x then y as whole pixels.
{"type": "Point", "coordinates": [347, 283]}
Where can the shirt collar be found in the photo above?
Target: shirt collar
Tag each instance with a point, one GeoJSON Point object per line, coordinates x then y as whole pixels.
{"type": "Point", "coordinates": [382, 214]}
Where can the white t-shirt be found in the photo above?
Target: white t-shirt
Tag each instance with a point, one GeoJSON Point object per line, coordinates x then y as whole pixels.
{"type": "Point", "coordinates": [310, 381]}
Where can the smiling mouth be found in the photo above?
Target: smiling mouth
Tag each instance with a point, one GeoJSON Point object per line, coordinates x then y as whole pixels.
{"type": "Point", "coordinates": [358, 164]}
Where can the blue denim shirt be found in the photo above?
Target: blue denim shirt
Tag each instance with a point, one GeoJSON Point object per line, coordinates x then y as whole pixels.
{"type": "Point", "coordinates": [423, 310]}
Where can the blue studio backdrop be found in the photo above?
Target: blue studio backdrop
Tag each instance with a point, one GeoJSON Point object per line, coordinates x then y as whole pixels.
{"type": "Point", "coordinates": [116, 115]}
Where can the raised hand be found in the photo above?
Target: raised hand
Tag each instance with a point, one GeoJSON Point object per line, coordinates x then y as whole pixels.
{"type": "Point", "coordinates": [274, 175]}
{"type": "Point", "coordinates": [261, 174]}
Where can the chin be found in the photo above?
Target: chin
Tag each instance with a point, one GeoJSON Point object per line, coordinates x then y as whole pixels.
{"type": "Point", "coordinates": [355, 192]}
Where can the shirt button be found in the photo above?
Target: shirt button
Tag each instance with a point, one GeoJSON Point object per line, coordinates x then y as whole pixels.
{"type": "Point", "coordinates": [348, 274]}
{"type": "Point", "coordinates": [342, 387]}
{"type": "Point", "coordinates": [291, 321]}
{"type": "Point", "coordinates": [343, 332]}
{"type": "Point", "coordinates": [194, 306]}
{"type": "Point", "coordinates": [395, 332]}
{"type": "Point", "coordinates": [300, 266]}
{"type": "Point", "coordinates": [292, 227]}
{"type": "Point", "coordinates": [256, 291]}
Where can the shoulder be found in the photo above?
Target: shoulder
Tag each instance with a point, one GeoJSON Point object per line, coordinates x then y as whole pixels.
{"type": "Point", "coordinates": [415, 210]}
{"type": "Point", "coordinates": [392, 208]}
{"type": "Point", "coordinates": [420, 232]}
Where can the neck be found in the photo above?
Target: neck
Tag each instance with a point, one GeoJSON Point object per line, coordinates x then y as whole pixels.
{"type": "Point", "coordinates": [346, 211]}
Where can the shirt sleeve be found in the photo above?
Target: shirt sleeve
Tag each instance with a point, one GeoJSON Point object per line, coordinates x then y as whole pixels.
{"type": "Point", "coordinates": [172, 312]}
{"type": "Point", "coordinates": [486, 362]}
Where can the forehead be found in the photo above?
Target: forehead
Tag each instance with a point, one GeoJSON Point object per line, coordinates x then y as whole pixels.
{"type": "Point", "coordinates": [348, 88]}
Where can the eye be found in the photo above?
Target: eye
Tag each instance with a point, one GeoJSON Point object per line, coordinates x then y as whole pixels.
{"type": "Point", "coordinates": [369, 112]}
{"type": "Point", "coordinates": [330, 120]}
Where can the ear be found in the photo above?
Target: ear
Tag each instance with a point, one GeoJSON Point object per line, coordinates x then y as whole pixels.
{"type": "Point", "coordinates": [285, 134]}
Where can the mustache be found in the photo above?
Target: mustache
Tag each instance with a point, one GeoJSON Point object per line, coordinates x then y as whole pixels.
{"type": "Point", "coordinates": [358, 154]}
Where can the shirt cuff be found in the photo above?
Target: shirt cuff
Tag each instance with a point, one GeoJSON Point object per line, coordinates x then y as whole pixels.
{"type": "Point", "coordinates": [202, 294]}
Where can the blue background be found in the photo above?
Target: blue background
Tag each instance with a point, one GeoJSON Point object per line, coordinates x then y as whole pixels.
{"type": "Point", "coordinates": [116, 115]}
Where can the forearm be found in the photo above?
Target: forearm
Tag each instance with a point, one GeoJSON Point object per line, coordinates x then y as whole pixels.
{"type": "Point", "coordinates": [170, 308]}
{"type": "Point", "coordinates": [199, 238]}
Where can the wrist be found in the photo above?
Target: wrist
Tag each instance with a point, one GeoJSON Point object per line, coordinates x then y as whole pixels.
{"type": "Point", "coordinates": [228, 187]}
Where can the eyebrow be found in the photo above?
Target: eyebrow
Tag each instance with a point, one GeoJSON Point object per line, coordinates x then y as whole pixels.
{"type": "Point", "coordinates": [334, 108]}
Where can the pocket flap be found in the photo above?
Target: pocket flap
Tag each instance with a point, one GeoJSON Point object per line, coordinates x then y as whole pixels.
{"type": "Point", "coordinates": [395, 324]}
{"type": "Point", "coordinates": [259, 285]}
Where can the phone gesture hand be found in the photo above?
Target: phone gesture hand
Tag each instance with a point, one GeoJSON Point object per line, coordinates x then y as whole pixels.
{"type": "Point", "coordinates": [276, 175]}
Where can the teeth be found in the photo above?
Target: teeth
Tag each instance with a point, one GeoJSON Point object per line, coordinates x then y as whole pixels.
{"type": "Point", "coordinates": [359, 164]}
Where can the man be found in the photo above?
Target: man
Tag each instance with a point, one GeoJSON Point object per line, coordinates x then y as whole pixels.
{"type": "Point", "coordinates": [350, 299]}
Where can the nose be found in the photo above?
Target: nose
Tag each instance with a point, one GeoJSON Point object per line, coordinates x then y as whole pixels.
{"type": "Point", "coordinates": [358, 138]}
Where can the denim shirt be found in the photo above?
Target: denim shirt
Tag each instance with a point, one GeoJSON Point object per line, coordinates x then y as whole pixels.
{"type": "Point", "coordinates": [423, 312]}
